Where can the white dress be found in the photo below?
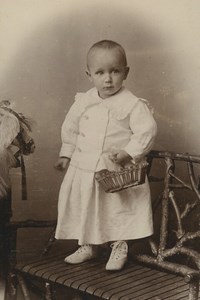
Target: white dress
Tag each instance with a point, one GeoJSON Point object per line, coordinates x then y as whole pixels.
{"type": "Point", "coordinates": [93, 129]}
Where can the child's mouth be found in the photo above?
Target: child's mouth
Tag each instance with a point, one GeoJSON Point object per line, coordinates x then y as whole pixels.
{"type": "Point", "coordinates": [108, 87]}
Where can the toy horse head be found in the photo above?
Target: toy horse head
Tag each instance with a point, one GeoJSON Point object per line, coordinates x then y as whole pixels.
{"type": "Point", "coordinates": [14, 130]}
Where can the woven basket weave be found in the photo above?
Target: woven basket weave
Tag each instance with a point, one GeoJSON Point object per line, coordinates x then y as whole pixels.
{"type": "Point", "coordinates": [115, 181]}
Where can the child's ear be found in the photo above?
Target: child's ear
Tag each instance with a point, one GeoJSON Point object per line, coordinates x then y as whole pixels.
{"type": "Point", "coordinates": [88, 75]}
{"type": "Point", "coordinates": [126, 72]}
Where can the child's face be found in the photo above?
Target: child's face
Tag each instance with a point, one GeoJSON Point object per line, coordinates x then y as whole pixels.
{"type": "Point", "coordinates": [107, 71]}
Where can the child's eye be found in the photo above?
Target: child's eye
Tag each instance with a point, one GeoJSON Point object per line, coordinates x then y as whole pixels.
{"type": "Point", "coordinates": [115, 71]}
{"type": "Point", "coordinates": [99, 72]}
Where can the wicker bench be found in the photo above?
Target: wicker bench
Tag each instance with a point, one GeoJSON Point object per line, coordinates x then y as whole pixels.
{"type": "Point", "coordinates": [169, 269]}
{"type": "Point", "coordinates": [133, 282]}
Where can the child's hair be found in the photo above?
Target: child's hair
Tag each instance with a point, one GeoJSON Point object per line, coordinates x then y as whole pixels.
{"type": "Point", "coordinates": [108, 44]}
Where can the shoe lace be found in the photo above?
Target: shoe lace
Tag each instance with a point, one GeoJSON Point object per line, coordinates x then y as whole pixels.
{"type": "Point", "coordinates": [118, 248]}
{"type": "Point", "coordinates": [82, 249]}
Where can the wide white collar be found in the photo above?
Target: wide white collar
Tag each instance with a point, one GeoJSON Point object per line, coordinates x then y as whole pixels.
{"type": "Point", "coordinates": [119, 105]}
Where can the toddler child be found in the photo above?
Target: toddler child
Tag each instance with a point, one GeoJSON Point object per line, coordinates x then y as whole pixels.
{"type": "Point", "coordinates": [106, 127]}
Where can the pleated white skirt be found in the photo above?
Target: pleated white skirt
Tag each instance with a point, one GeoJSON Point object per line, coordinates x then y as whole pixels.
{"type": "Point", "coordinates": [91, 216]}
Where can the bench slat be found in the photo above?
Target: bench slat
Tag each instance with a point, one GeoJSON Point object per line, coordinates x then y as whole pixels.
{"type": "Point", "coordinates": [82, 273]}
{"type": "Point", "coordinates": [105, 282]}
{"type": "Point", "coordinates": [138, 283]}
{"type": "Point", "coordinates": [37, 263]}
{"type": "Point", "coordinates": [177, 294]}
{"type": "Point", "coordinates": [144, 285]}
{"type": "Point", "coordinates": [106, 276]}
{"type": "Point", "coordinates": [98, 277]}
{"type": "Point", "coordinates": [161, 288]}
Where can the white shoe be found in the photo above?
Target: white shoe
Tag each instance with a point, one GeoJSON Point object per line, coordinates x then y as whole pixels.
{"type": "Point", "coordinates": [84, 253]}
{"type": "Point", "coordinates": [118, 256]}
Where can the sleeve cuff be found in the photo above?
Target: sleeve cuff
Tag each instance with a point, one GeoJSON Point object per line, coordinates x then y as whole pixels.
{"type": "Point", "coordinates": [66, 150]}
{"type": "Point", "coordinates": [137, 151]}
{"type": "Point", "coordinates": [133, 153]}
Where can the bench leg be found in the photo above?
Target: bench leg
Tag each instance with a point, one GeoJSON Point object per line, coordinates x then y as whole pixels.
{"type": "Point", "coordinates": [11, 286]}
{"type": "Point", "coordinates": [50, 242]}
{"type": "Point", "coordinates": [77, 297]}
{"type": "Point", "coordinates": [194, 290]}
{"type": "Point", "coordinates": [48, 294]}
{"type": "Point", "coordinates": [24, 288]}
{"type": "Point", "coordinates": [80, 296]}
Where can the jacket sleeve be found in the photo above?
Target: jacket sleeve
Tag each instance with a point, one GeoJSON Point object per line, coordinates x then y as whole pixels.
{"type": "Point", "coordinates": [144, 130]}
{"type": "Point", "coordinates": [70, 129]}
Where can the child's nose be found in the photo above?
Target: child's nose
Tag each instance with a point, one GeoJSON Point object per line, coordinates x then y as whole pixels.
{"type": "Point", "coordinates": [108, 78]}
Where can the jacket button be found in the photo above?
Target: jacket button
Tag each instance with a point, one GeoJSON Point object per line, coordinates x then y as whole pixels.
{"type": "Point", "coordinates": [79, 150]}
{"type": "Point", "coordinates": [86, 117]}
{"type": "Point", "coordinates": [82, 134]}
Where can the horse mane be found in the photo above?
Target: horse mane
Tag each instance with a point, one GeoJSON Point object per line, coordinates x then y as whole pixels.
{"type": "Point", "coordinates": [25, 122]}
{"type": "Point", "coordinates": [9, 128]}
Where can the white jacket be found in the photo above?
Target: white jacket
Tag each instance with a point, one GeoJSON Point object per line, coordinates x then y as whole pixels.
{"type": "Point", "coordinates": [95, 127]}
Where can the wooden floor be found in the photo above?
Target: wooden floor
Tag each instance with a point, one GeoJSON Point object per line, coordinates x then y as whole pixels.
{"type": "Point", "coordinates": [133, 282]}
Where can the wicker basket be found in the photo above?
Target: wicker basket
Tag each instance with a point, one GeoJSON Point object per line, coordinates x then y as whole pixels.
{"type": "Point", "coordinates": [115, 181]}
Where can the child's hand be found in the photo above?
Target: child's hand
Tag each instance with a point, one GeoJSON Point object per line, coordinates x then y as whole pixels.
{"type": "Point", "coordinates": [121, 157]}
{"type": "Point", "coordinates": [62, 163]}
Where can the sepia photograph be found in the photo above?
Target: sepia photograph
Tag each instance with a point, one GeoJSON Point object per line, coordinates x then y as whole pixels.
{"type": "Point", "coordinates": [99, 149]}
